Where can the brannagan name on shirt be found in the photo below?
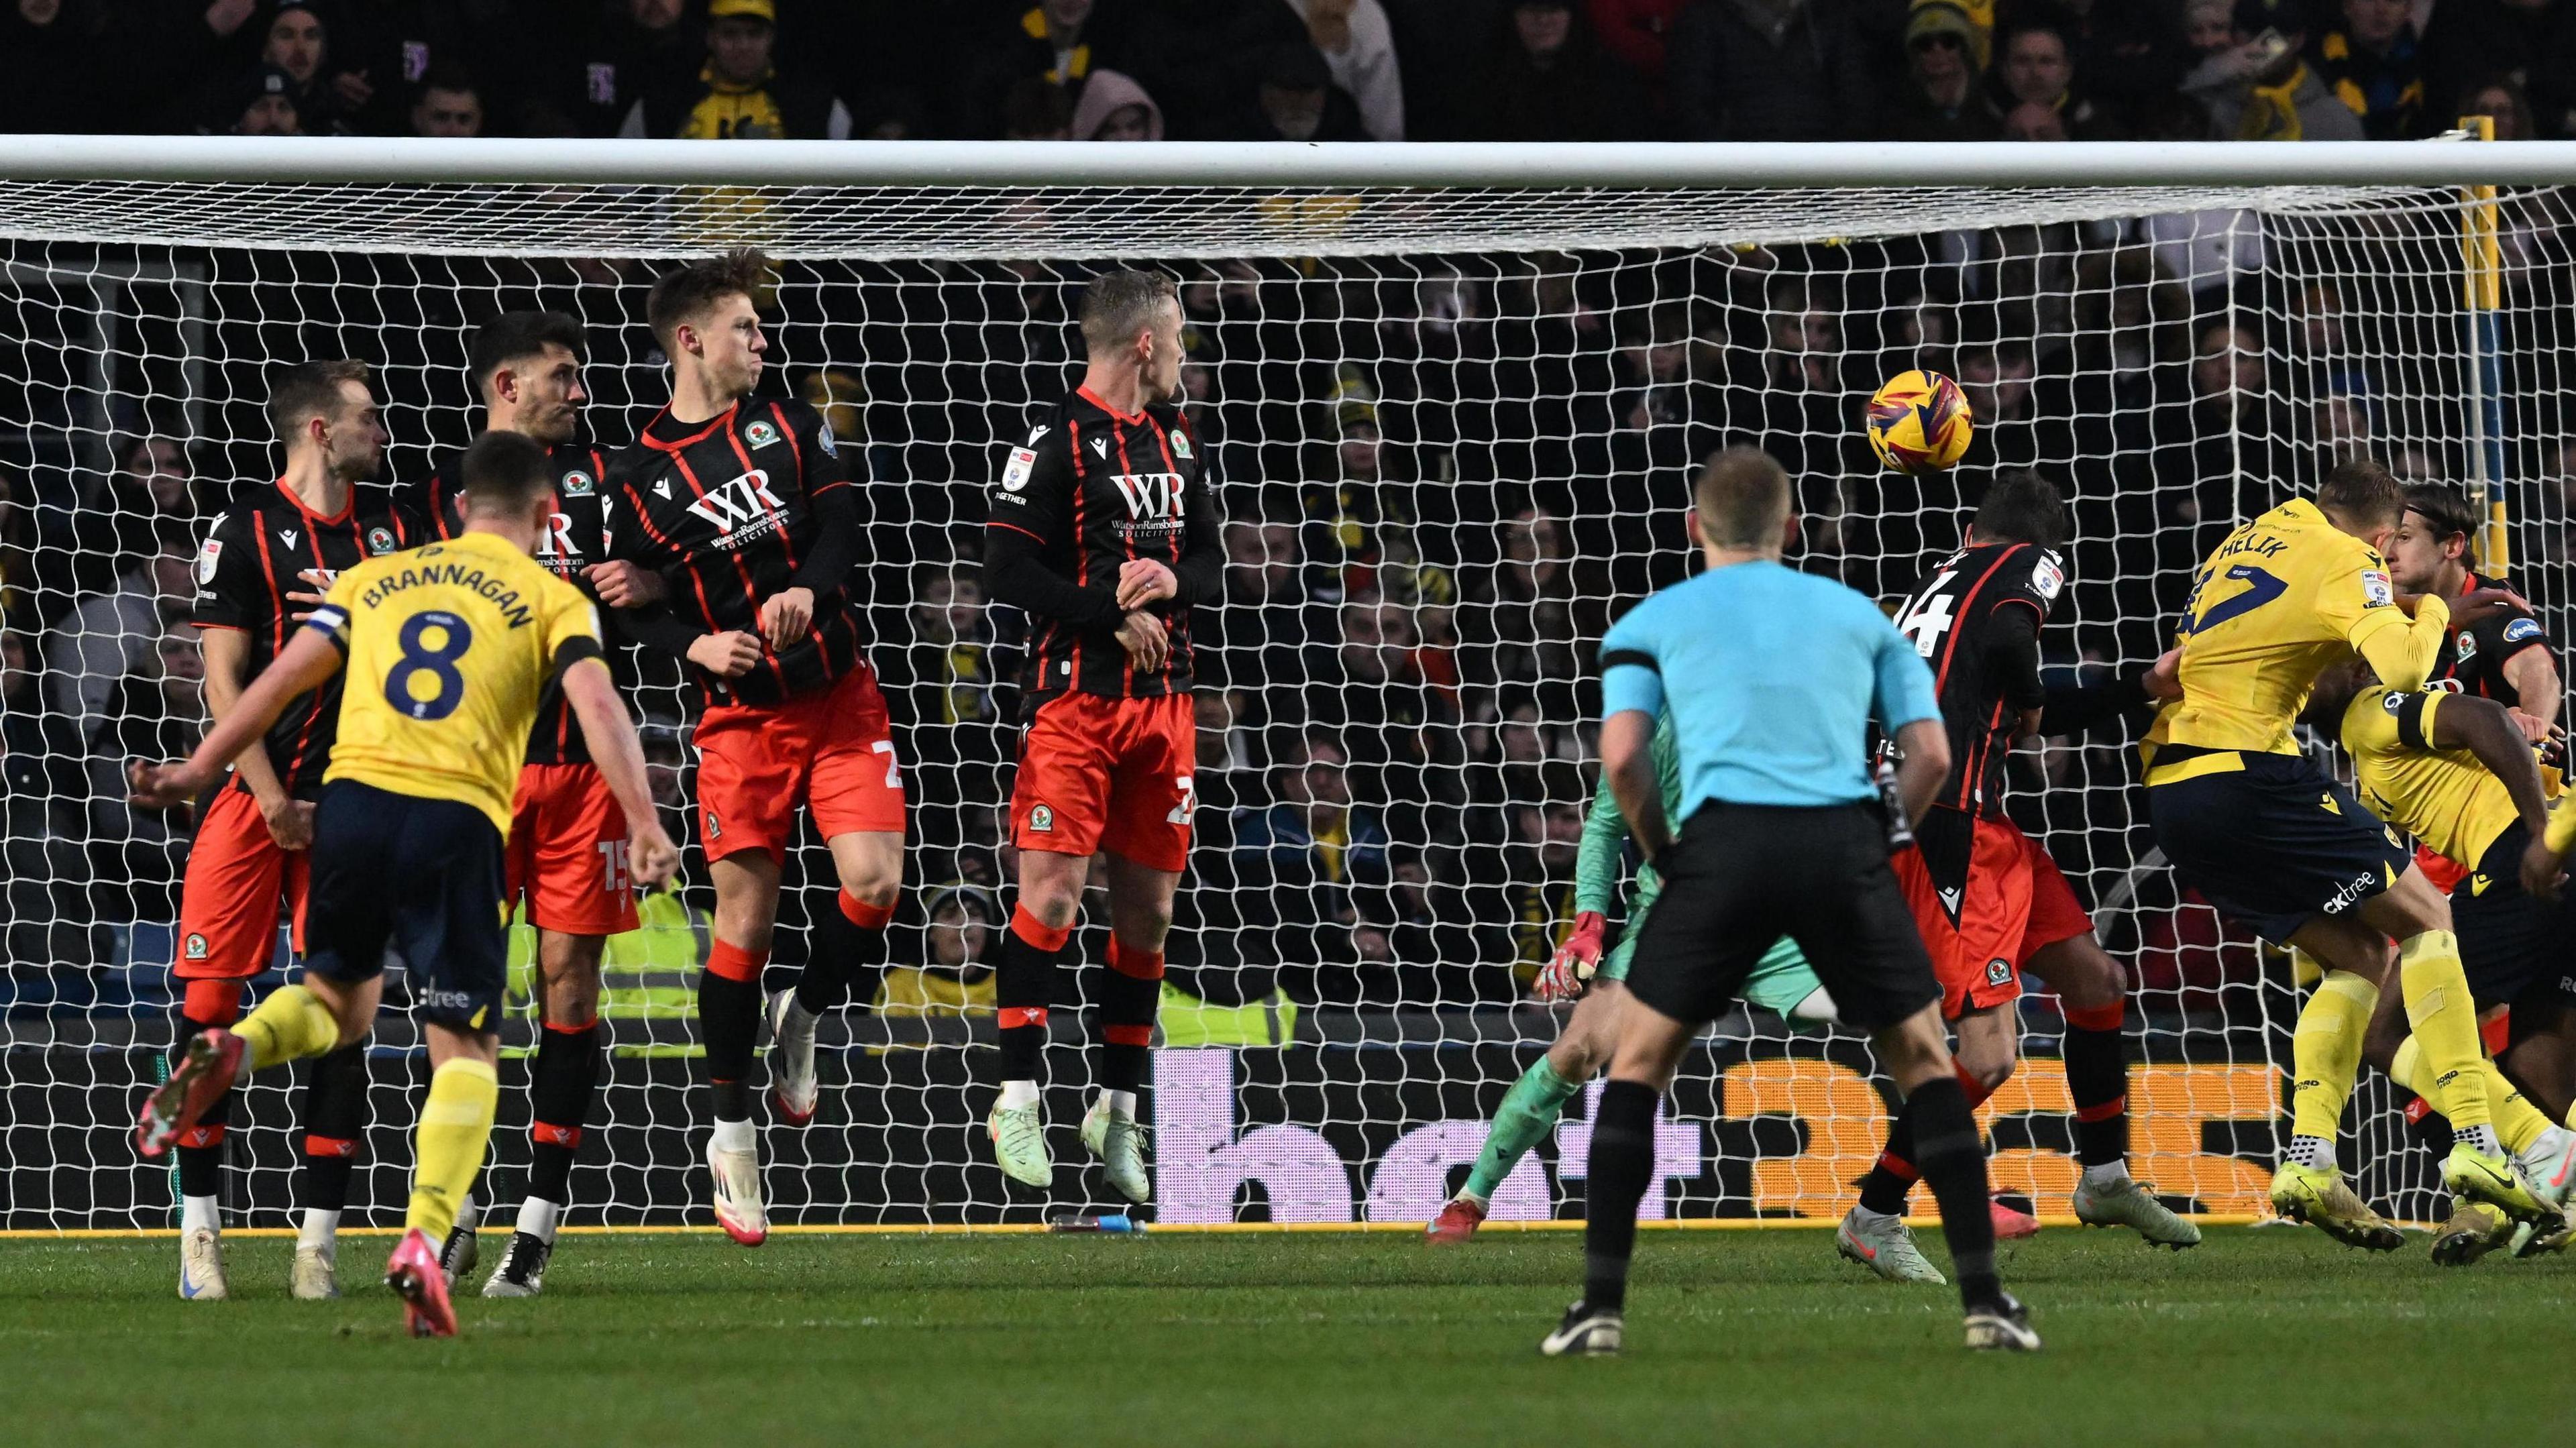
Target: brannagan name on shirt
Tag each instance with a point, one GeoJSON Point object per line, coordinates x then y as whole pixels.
{"type": "Point", "coordinates": [454, 575]}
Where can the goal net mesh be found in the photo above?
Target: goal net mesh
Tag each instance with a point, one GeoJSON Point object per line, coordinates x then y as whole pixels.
{"type": "Point", "coordinates": [1453, 433]}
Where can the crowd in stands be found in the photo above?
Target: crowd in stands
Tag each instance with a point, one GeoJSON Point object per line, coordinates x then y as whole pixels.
{"type": "Point", "coordinates": [1335, 70]}
{"type": "Point", "coordinates": [1442, 477]}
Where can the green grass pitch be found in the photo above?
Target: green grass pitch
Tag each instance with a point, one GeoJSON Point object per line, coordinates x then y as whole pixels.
{"type": "Point", "coordinates": [2271, 1335]}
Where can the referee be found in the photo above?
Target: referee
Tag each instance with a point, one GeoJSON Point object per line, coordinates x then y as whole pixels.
{"type": "Point", "coordinates": [1772, 679]}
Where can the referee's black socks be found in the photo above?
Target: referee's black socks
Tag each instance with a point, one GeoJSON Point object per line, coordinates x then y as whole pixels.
{"type": "Point", "coordinates": [1622, 1161]}
{"type": "Point", "coordinates": [1952, 1159]}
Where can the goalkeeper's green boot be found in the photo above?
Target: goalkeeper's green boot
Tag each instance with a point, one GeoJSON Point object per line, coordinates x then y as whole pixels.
{"type": "Point", "coordinates": [2125, 1203]}
{"type": "Point", "coordinates": [2318, 1196]}
{"type": "Point", "coordinates": [1019, 1144]}
{"type": "Point", "coordinates": [1114, 1137]}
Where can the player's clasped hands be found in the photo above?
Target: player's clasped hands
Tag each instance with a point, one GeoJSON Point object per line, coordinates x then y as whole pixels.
{"type": "Point", "coordinates": [1569, 970]}
{"type": "Point", "coordinates": [1143, 580]}
{"type": "Point", "coordinates": [787, 614]}
{"type": "Point", "coordinates": [727, 655]}
{"type": "Point", "coordinates": [1142, 635]}
{"type": "Point", "coordinates": [623, 584]}
{"type": "Point", "coordinates": [290, 823]}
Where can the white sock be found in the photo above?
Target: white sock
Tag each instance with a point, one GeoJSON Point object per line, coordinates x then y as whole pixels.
{"type": "Point", "coordinates": [1017, 1094]}
{"type": "Point", "coordinates": [320, 1228]}
{"type": "Point", "coordinates": [537, 1218]}
{"type": "Point", "coordinates": [1121, 1103]}
{"type": "Point", "coordinates": [2109, 1173]}
{"type": "Point", "coordinates": [734, 1135]}
{"type": "Point", "coordinates": [468, 1214]}
{"type": "Point", "coordinates": [195, 1212]}
{"type": "Point", "coordinates": [2312, 1151]}
{"type": "Point", "coordinates": [2481, 1136]}
{"type": "Point", "coordinates": [1868, 1218]}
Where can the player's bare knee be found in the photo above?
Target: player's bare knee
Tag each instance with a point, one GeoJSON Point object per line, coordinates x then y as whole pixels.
{"type": "Point", "coordinates": [571, 997]}
{"type": "Point", "coordinates": [2081, 972]}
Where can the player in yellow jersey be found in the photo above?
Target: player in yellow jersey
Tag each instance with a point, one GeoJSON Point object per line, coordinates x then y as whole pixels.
{"type": "Point", "coordinates": [2458, 773]}
{"type": "Point", "coordinates": [447, 649]}
{"type": "Point", "coordinates": [2276, 844]}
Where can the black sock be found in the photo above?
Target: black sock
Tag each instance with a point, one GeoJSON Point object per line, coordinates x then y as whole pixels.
{"type": "Point", "coordinates": [561, 1082]}
{"type": "Point", "coordinates": [2097, 1078]}
{"type": "Point", "coordinates": [335, 1121]}
{"type": "Point", "coordinates": [729, 1018]}
{"type": "Point", "coordinates": [836, 952]}
{"type": "Point", "coordinates": [1891, 1178]}
{"type": "Point", "coordinates": [201, 1168]}
{"type": "Point", "coordinates": [1024, 982]}
{"type": "Point", "coordinates": [1952, 1159]}
{"type": "Point", "coordinates": [1129, 994]}
{"type": "Point", "coordinates": [1621, 1163]}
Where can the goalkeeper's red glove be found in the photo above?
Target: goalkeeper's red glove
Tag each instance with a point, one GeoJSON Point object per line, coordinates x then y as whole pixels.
{"type": "Point", "coordinates": [1570, 969]}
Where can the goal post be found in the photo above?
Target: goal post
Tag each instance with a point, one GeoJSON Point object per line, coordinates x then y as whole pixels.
{"type": "Point", "coordinates": [1452, 396]}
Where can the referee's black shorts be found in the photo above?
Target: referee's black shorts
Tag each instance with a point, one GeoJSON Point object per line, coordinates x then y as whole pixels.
{"type": "Point", "coordinates": [1741, 876]}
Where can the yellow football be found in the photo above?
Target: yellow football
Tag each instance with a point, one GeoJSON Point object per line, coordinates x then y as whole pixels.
{"type": "Point", "coordinates": [1919, 422]}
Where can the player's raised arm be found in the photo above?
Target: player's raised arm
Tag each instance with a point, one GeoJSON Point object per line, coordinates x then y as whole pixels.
{"type": "Point", "coordinates": [311, 658]}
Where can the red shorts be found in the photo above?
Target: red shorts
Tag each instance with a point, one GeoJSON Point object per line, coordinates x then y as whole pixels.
{"type": "Point", "coordinates": [567, 852]}
{"type": "Point", "coordinates": [832, 752]}
{"type": "Point", "coordinates": [236, 877]}
{"type": "Point", "coordinates": [1113, 774]}
{"type": "Point", "coordinates": [2437, 867]}
{"type": "Point", "coordinates": [1987, 898]}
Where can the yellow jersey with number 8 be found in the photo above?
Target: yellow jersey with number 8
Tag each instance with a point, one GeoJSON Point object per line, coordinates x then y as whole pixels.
{"type": "Point", "coordinates": [448, 648]}
{"type": "Point", "coordinates": [2285, 596]}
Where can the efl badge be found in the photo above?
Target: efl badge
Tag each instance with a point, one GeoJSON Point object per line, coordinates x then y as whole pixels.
{"type": "Point", "coordinates": [2375, 592]}
{"type": "Point", "coordinates": [576, 484]}
{"type": "Point", "coordinates": [1041, 820]}
{"type": "Point", "coordinates": [2046, 577]}
{"type": "Point", "coordinates": [823, 439]}
{"type": "Point", "coordinates": [196, 946]}
{"type": "Point", "coordinates": [206, 557]}
{"type": "Point", "coordinates": [380, 541]}
{"type": "Point", "coordinates": [1015, 473]}
{"type": "Point", "coordinates": [760, 435]}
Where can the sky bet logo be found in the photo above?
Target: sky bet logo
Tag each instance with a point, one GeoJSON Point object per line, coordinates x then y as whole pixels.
{"type": "Point", "coordinates": [745, 500]}
{"type": "Point", "coordinates": [1150, 495]}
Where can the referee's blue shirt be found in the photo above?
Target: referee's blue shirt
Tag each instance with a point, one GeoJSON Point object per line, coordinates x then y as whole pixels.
{"type": "Point", "coordinates": [1772, 678]}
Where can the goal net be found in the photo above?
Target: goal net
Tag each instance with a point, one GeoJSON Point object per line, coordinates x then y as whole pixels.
{"type": "Point", "coordinates": [1453, 429]}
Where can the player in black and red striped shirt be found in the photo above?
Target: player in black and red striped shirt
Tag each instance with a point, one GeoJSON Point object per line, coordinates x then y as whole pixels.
{"type": "Point", "coordinates": [1989, 900]}
{"type": "Point", "coordinates": [745, 509]}
{"type": "Point", "coordinates": [1103, 529]}
{"type": "Point", "coordinates": [266, 559]}
{"type": "Point", "coordinates": [566, 858]}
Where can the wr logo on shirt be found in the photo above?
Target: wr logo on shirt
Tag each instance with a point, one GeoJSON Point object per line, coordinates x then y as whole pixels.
{"type": "Point", "coordinates": [745, 499]}
{"type": "Point", "coordinates": [1150, 495]}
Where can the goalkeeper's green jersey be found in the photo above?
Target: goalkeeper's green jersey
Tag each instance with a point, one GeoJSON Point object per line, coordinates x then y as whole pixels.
{"type": "Point", "coordinates": [1598, 863]}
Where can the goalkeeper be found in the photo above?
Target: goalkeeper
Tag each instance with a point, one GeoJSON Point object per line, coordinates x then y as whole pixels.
{"type": "Point", "coordinates": [1781, 983]}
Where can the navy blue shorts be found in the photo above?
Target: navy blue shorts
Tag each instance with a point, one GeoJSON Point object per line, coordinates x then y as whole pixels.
{"type": "Point", "coordinates": [2270, 839]}
{"type": "Point", "coordinates": [413, 882]}
{"type": "Point", "coordinates": [2517, 951]}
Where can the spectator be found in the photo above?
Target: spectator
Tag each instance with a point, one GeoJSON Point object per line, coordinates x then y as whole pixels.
{"type": "Point", "coordinates": [601, 61]}
{"type": "Point", "coordinates": [118, 519]}
{"type": "Point", "coordinates": [2208, 28]}
{"type": "Point", "coordinates": [1769, 70]}
{"type": "Point", "coordinates": [2374, 65]}
{"type": "Point", "coordinates": [168, 52]}
{"type": "Point", "coordinates": [1036, 111]}
{"type": "Point", "coordinates": [1944, 61]}
{"type": "Point", "coordinates": [1295, 100]}
{"type": "Point", "coordinates": [46, 871]}
{"type": "Point", "coordinates": [50, 66]}
{"type": "Point", "coordinates": [2469, 44]}
{"type": "Point", "coordinates": [1548, 79]}
{"type": "Point", "coordinates": [1058, 43]}
{"type": "Point", "coordinates": [1114, 108]}
{"type": "Point", "coordinates": [267, 107]}
{"type": "Point", "coordinates": [450, 104]}
{"type": "Point", "coordinates": [1636, 33]}
{"type": "Point", "coordinates": [740, 96]}
{"type": "Point", "coordinates": [955, 977]}
{"type": "Point", "coordinates": [2262, 88]}
{"type": "Point", "coordinates": [1358, 47]}
{"type": "Point", "coordinates": [157, 711]}
{"type": "Point", "coordinates": [298, 45]}
{"type": "Point", "coordinates": [2505, 102]}
{"type": "Point", "coordinates": [1310, 869]}
{"type": "Point", "coordinates": [2033, 85]}
{"type": "Point", "coordinates": [104, 638]}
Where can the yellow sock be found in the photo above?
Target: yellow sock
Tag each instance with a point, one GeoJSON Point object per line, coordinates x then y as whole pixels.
{"type": "Point", "coordinates": [455, 1126]}
{"type": "Point", "coordinates": [2517, 1122]}
{"type": "Point", "coordinates": [2445, 1021]}
{"type": "Point", "coordinates": [2326, 1050]}
{"type": "Point", "coordinates": [288, 1026]}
